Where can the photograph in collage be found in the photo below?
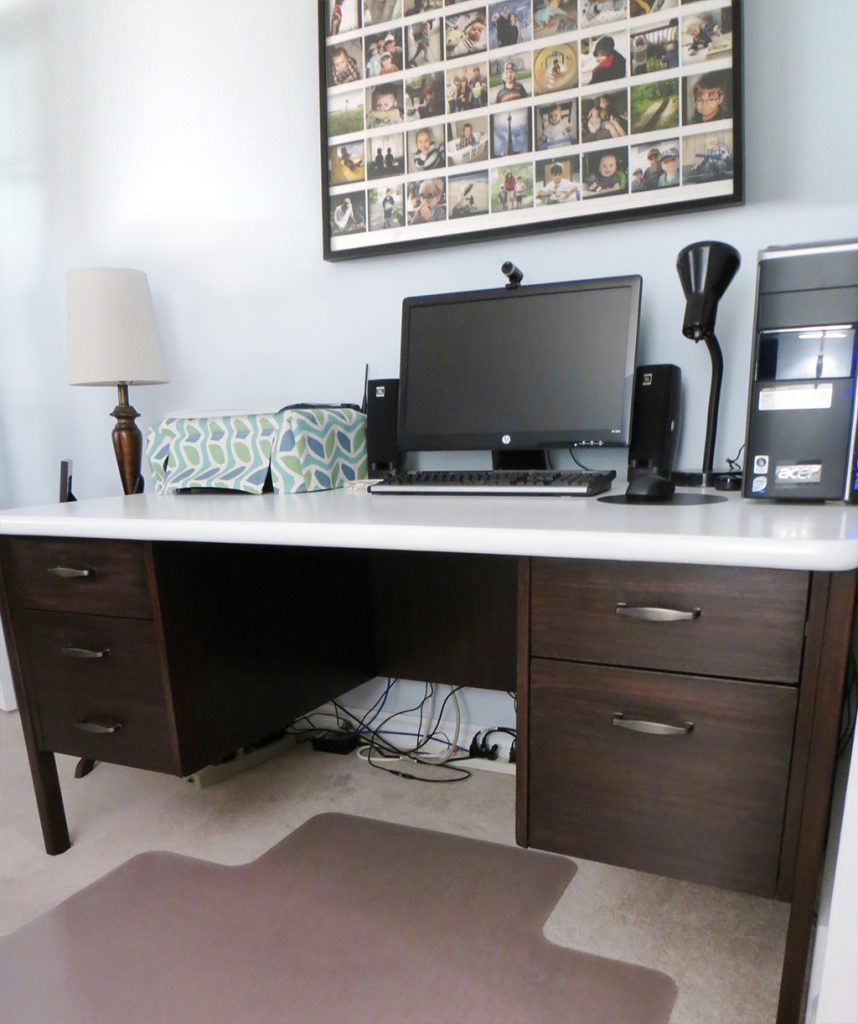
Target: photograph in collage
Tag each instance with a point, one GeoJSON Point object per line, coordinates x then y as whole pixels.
{"type": "Point", "coordinates": [556, 124]}
{"type": "Point", "coordinates": [551, 17]}
{"type": "Point", "coordinates": [344, 62]}
{"type": "Point", "coordinates": [424, 96]}
{"type": "Point", "coordinates": [384, 104]}
{"type": "Point", "coordinates": [512, 188]}
{"type": "Point", "coordinates": [467, 87]}
{"type": "Point", "coordinates": [511, 132]}
{"type": "Point", "coordinates": [557, 181]}
{"type": "Point", "coordinates": [510, 78]}
{"type": "Point", "coordinates": [383, 53]}
{"type": "Point", "coordinates": [426, 148]}
{"type": "Point", "coordinates": [655, 49]}
{"type": "Point", "coordinates": [605, 116]}
{"type": "Point", "coordinates": [708, 97]}
{"type": "Point", "coordinates": [423, 43]}
{"type": "Point", "coordinates": [343, 16]}
{"type": "Point", "coordinates": [555, 68]}
{"type": "Point", "coordinates": [603, 59]}
{"type": "Point", "coordinates": [707, 36]}
{"type": "Point", "coordinates": [637, 8]}
{"type": "Point", "coordinates": [466, 34]}
{"type": "Point", "coordinates": [654, 106]}
{"type": "Point", "coordinates": [387, 156]}
{"type": "Point", "coordinates": [421, 6]}
{"type": "Point", "coordinates": [468, 140]}
{"type": "Point", "coordinates": [649, 171]}
{"type": "Point", "coordinates": [605, 172]}
{"type": "Point", "coordinates": [349, 213]}
{"type": "Point", "coordinates": [707, 158]}
{"type": "Point", "coordinates": [510, 23]}
{"type": "Point", "coordinates": [469, 194]}
{"type": "Point", "coordinates": [508, 113]}
{"type": "Point", "coordinates": [602, 12]}
{"type": "Point", "coordinates": [346, 163]}
{"type": "Point", "coordinates": [376, 12]}
{"type": "Point", "coordinates": [386, 207]}
{"type": "Point", "coordinates": [427, 201]}
{"type": "Point", "coordinates": [346, 113]}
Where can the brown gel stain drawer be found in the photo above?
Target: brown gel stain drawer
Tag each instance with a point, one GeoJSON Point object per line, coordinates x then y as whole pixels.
{"type": "Point", "coordinates": [707, 805]}
{"type": "Point", "coordinates": [115, 583]}
{"type": "Point", "coordinates": [122, 689]}
{"type": "Point", "coordinates": [747, 624]}
{"type": "Point", "coordinates": [140, 741]}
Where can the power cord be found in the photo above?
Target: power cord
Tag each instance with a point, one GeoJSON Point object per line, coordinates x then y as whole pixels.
{"type": "Point", "coordinates": [480, 746]}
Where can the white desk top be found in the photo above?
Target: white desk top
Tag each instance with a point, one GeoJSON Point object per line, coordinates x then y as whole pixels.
{"type": "Point", "coordinates": [734, 532]}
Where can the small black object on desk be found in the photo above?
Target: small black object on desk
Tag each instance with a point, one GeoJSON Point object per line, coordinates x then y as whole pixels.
{"type": "Point", "coordinates": [650, 487]}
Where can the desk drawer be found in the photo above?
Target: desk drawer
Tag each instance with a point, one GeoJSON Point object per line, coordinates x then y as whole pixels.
{"type": "Point", "coordinates": [100, 577]}
{"type": "Point", "coordinates": [735, 622]}
{"type": "Point", "coordinates": [705, 805]}
{"type": "Point", "coordinates": [97, 689]}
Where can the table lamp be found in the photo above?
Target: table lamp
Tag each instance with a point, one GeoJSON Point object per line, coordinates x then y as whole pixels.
{"type": "Point", "coordinates": [705, 270]}
{"type": "Point", "coordinates": [113, 340]}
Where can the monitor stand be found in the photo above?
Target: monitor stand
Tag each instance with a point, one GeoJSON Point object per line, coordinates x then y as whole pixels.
{"type": "Point", "coordinates": [524, 458]}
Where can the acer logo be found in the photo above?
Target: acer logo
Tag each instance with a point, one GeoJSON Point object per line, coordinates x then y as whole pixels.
{"type": "Point", "coordinates": [807, 474]}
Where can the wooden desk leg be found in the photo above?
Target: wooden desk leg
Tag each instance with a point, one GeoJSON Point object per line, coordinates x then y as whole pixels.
{"type": "Point", "coordinates": [43, 765]}
{"type": "Point", "coordinates": [49, 800]}
{"type": "Point", "coordinates": [817, 792]}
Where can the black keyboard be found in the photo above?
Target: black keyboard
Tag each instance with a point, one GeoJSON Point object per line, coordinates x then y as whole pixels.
{"type": "Point", "coordinates": [498, 481]}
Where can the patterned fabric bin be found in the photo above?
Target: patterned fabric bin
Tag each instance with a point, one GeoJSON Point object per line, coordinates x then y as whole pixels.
{"type": "Point", "coordinates": [287, 452]}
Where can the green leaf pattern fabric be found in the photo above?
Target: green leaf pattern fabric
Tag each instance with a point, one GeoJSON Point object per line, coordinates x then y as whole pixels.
{"type": "Point", "coordinates": [291, 451]}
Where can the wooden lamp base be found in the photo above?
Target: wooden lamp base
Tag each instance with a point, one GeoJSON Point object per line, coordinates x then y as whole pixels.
{"type": "Point", "coordinates": [127, 443]}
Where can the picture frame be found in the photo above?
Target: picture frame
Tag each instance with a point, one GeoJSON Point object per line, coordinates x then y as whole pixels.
{"type": "Point", "coordinates": [447, 121]}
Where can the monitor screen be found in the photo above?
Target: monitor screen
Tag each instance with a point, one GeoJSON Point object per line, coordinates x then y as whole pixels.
{"type": "Point", "coordinates": [511, 368]}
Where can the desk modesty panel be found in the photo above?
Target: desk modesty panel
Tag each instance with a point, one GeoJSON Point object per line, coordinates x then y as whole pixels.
{"type": "Point", "coordinates": [735, 532]}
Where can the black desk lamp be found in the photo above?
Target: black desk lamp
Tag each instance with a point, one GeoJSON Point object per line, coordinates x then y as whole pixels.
{"type": "Point", "coordinates": [705, 270]}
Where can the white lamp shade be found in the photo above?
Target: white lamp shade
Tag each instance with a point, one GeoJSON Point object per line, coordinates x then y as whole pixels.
{"type": "Point", "coordinates": [112, 331]}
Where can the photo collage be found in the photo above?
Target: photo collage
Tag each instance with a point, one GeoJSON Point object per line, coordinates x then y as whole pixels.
{"type": "Point", "coordinates": [448, 117]}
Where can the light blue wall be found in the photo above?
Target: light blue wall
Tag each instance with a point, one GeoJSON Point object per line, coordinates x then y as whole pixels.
{"type": "Point", "coordinates": [182, 138]}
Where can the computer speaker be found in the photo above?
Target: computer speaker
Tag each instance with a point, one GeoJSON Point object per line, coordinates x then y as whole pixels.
{"type": "Point", "coordinates": [382, 399]}
{"type": "Point", "coordinates": [655, 420]}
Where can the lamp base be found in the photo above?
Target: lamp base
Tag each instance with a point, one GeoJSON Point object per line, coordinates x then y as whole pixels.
{"type": "Point", "coordinates": [702, 478]}
{"type": "Point", "coordinates": [127, 444]}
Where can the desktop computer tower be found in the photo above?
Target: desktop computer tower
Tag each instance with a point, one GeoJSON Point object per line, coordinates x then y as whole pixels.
{"type": "Point", "coordinates": [803, 411]}
{"type": "Point", "coordinates": [382, 400]}
{"type": "Point", "coordinates": [655, 420]}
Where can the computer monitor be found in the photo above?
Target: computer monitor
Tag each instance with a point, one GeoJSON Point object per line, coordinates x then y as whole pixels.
{"type": "Point", "coordinates": [519, 369]}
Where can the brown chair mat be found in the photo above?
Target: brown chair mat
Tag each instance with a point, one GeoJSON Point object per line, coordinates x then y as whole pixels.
{"type": "Point", "coordinates": [346, 919]}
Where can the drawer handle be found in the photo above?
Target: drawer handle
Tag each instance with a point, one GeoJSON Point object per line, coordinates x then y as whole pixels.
{"type": "Point", "coordinates": [84, 652]}
{"type": "Point", "coordinates": [66, 572]}
{"type": "Point", "coordinates": [656, 614]}
{"type": "Point", "coordinates": [99, 725]}
{"type": "Point", "coordinates": [653, 728]}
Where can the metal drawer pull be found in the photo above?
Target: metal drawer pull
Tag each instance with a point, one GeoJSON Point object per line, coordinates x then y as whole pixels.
{"type": "Point", "coordinates": [83, 652]}
{"type": "Point", "coordinates": [654, 728]}
{"type": "Point", "coordinates": [102, 726]}
{"type": "Point", "coordinates": [656, 614]}
{"type": "Point", "coordinates": [65, 572]}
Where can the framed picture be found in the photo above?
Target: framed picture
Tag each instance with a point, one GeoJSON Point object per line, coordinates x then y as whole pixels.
{"type": "Point", "coordinates": [449, 121]}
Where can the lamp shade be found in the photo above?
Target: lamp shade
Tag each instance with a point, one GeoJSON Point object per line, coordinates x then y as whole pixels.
{"type": "Point", "coordinates": [705, 269]}
{"type": "Point", "coordinates": [112, 331]}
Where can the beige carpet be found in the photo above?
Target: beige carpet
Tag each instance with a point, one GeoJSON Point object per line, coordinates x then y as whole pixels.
{"type": "Point", "coordinates": [723, 949]}
{"type": "Point", "coordinates": [346, 919]}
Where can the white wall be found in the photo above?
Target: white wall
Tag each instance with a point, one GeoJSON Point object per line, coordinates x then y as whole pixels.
{"type": "Point", "coordinates": [181, 137]}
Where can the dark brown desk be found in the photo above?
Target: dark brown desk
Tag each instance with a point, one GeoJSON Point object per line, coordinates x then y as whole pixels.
{"type": "Point", "coordinates": [676, 716]}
